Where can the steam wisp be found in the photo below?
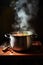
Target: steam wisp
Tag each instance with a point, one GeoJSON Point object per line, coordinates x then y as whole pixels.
{"type": "Point", "coordinates": [25, 10]}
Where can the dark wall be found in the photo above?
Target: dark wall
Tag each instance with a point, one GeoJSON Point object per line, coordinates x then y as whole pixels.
{"type": "Point", "coordinates": [6, 20]}
{"type": "Point", "coordinates": [37, 23]}
{"type": "Point", "coordinates": [5, 16]}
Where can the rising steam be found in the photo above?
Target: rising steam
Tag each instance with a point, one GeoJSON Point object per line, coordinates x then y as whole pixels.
{"type": "Point", "coordinates": [25, 10]}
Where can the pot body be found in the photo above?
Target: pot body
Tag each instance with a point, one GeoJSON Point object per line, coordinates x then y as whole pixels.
{"type": "Point", "coordinates": [22, 42]}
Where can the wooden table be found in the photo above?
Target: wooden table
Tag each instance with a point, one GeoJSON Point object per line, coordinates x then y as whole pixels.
{"type": "Point", "coordinates": [11, 52]}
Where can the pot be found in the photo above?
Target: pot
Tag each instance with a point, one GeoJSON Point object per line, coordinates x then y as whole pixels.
{"type": "Point", "coordinates": [22, 41]}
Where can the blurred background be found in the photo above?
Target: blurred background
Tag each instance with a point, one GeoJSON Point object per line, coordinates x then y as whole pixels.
{"type": "Point", "coordinates": [6, 18]}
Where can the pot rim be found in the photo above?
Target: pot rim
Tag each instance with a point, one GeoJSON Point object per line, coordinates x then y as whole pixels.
{"type": "Point", "coordinates": [22, 33]}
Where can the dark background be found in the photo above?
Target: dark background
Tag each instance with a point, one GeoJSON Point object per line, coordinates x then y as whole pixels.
{"type": "Point", "coordinates": [6, 18]}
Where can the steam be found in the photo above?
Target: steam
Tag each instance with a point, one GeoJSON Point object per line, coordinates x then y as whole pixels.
{"type": "Point", "coordinates": [23, 23]}
{"type": "Point", "coordinates": [25, 11]}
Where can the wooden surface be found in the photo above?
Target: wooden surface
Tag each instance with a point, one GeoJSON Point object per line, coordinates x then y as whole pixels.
{"type": "Point", "coordinates": [12, 52]}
